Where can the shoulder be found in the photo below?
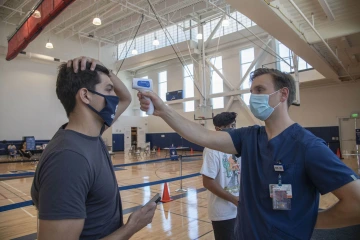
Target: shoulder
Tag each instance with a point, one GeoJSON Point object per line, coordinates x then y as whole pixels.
{"type": "Point", "coordinates": [305, 138]}
{"type": "Point", "coordinates": [246, 130]}
{"type": "Point", "coordinates": [66, 142]}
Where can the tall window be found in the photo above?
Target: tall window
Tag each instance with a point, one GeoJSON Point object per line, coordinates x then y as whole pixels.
{"type": "Point", "coordinates": [217, 85]}
{"type": "Point", "coordinates": [286, 54]}
{"type": "Point", "coordinates": [163, 85]}
{"type": "Point", "coordinates": [246, 58]}
{"type": "Point", "coordinates": [188, 73]}
{"type": "Point", "coordinates": [144, 43]}
{"type": "Point", "coordinates": [142, 113]}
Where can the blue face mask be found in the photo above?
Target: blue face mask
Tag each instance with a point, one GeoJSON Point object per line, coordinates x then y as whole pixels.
{"type": "Point", "coordinates": [108, 112]}
{"type": "Point", "coordinates": [259, 105]}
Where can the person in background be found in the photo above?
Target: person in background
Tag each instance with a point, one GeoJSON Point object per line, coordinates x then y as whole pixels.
{"type": "Point", "coordinates": [12, 151]}
{"type": "Point", "coordinates": [221, 176]}
{"type": "Point", "coordinates": [24, 151]}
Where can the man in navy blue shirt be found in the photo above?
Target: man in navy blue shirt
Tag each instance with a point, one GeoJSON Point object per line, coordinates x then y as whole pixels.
{"type": "Point", "coordinates": [284, 167]}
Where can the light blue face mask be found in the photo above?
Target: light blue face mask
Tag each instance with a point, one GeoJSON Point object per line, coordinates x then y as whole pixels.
{"type": "Point", "coordinates": [259, 105]}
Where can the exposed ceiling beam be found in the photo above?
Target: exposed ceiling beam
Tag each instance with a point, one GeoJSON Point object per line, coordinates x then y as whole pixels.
{"type": "Point", "coordinates": [18, 8]}
{"type": "Point", "coordinates": [107, 19]}
{"type": "Point", "coordinates": [13, 9]}
{"type": "Point", "coordinates": [335, 30]}
{"type": "Point", "coordinates": [327, 10]}
{"type": "Point", "coordinates": [91, 14]}
{"type": "Point", "coordinates": [2, 2]}
{"type": "Point", "coordinates": [260, 13]}
{"type": "Point", "coordinates": [58, 21]}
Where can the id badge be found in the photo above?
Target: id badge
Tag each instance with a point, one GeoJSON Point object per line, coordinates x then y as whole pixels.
{"type": "Point", "coordinates": [280, 198]}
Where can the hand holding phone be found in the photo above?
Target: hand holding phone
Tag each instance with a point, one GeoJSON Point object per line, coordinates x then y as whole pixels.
{"type": "Point", "coordinates": [155, 199]}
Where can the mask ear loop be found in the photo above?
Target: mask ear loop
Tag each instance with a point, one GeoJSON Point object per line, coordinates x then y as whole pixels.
{"type": "Point", "coordinates": [280, 101]}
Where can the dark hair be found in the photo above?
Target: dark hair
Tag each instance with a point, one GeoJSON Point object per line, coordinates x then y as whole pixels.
{"type": "Point", "coordinates": [69, 83]}
{"type": "Point", "coordinates": [224, 119]}
{"type": "Point", "coordinates": [280, 80]}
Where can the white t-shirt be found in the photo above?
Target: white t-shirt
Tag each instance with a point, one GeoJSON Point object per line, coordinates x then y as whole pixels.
{"type": "Point", "coordinates": [226, 171]}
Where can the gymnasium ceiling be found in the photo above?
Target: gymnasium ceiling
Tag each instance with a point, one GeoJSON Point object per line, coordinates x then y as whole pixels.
{"type": "Point", "coordinates": [119, 17]}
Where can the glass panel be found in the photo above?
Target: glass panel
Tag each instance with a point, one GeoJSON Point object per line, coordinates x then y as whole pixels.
{"type": "Point", "coordinates": [246, 98]}
{"type": "Point", "coordinates": [284, 67]}
{"type": "Point", "coordinates": [162, 76]}
{"type": "Point", "coordinates": [189, 70]}
{"type": "Point", "coordinates": [302, 64]}
{"type": "Point", "coordinates": [189, 106]}
{"type": "Point", "coordinates": [218, 102]}
{"type": "Point", "coordinates": [149, 38]}
{"type": "Point", "coordinates": [244, 68]}
{"type": "Point", "coordinates": [163, 90]}
{"type": "Point", "coordinates": [284, 51]}
{"type": "Point", "coordinates": [247, 55]}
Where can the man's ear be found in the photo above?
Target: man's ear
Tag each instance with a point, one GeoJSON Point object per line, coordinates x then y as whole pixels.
{"type": "Point", "coordinates": [284, 94]}
{"type": "Point", "coordinates": [84, 95]}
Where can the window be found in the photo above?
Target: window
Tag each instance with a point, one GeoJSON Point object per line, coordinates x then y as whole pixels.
{"type": "Point", "coordinates": [217, 85]}
{"type": "Point", "coordinates": [142, 113]}
{"type": "Point", "coordinates": [188, 73]}
{"type": "Point", "coordinates": [286, 54]}
{"type": "Point", "coordinates": [144, 43]}
{"type": "Point", "coordinates": [163, 85]}
{"type": "Point", "coordinates": [246, 58]}
{"type": "Point", "coordinates": [234, 26]}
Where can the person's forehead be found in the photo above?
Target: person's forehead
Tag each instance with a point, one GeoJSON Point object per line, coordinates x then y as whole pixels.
{"type": "Point", "coordinates": [263, 80]}
{"type": "Point", "coordinates": [104, 79]}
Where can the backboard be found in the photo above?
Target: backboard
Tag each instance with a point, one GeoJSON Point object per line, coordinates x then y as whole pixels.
{"type": "Point", "coordinates": [203, 113]}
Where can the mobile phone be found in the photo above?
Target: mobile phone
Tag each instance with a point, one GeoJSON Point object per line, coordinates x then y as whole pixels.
{"type": "Point", "coordinates": [155, 199]}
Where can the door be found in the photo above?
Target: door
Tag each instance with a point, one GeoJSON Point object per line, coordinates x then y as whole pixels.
{"type": "Point", "coordinates": [118, 142]}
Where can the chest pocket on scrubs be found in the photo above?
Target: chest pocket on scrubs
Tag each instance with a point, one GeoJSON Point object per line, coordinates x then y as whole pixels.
{"type": "Point", "coordinates": [289, 175]}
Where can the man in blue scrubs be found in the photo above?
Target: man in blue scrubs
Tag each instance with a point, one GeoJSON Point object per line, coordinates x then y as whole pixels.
{"type": "Point", "coordinates": [284, 167]}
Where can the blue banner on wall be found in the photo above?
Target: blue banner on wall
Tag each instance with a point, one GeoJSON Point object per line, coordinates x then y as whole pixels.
{"type": "Point", "coordinates": [357, 136]}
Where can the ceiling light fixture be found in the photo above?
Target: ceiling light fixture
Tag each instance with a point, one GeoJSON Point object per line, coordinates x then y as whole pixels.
{"type": "Point", "coordinates": [134, 52]}
{"type": "Point", "coordinates": [97, 21]}
{"type": "Point", "coordinates": [156, 42]}
{"type": "Point", "coordinates": [49, 45]}
{"type": "Point", "coordinates": [36, 14]}
{"type": "Point", "coordinates": [225, 22]}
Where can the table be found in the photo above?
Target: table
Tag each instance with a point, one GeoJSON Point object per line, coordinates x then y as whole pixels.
{"type": "Point", "coordinates": [177, 148]}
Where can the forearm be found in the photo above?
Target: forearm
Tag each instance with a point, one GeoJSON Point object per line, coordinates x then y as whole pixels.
{"type": "Point", "coordinates": [123, 233]}
{"type": "Point", "coordinates": [342, 214]}
{"type": "Point", "coordinates": [216, 189]}
{"type": "Point", "coordinates": [198, 134]}
{"type": "Point", "coordinates": [122, 92]}
{"type": "Point", "coordinates": [120, 89]}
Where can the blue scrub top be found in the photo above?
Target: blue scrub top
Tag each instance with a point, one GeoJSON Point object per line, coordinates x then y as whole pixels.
{"type": "Point", "coordinates": [310, 167]}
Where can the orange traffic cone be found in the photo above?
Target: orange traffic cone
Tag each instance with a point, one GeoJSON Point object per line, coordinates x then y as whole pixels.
{"type": "Point", "coordinates": [338, 153]}
{"type": "Point", "coordinates": [166, 195]}
{"type": "Point", "coordinates": [191, 151]}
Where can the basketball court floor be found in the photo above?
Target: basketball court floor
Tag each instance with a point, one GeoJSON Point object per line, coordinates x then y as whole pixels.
{"type": "Point", "coordinates": [183, 218]}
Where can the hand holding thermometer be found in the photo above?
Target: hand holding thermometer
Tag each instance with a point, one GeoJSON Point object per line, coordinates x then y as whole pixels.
{"type": "Point", "coordinates": [144, 85]}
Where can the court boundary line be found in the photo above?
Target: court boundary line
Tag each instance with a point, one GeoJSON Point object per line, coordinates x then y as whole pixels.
{"type": "Point", "coordinates": [31, 174]}
{"type": "Point", "coordinates": [122, 188]}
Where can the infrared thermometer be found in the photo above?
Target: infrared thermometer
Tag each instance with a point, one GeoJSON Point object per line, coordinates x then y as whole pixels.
{"type": "Point", "coordinates": [144, 85]}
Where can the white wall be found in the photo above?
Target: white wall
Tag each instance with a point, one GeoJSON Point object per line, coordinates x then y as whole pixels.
{"type": "Point", "coordinates": [321, 106]}
{"type": "Point", "coordinates": [28, 101]}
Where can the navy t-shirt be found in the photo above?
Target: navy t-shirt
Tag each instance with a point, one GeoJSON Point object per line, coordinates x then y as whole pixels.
{"type": "Point", "coordinates": [75, 179]}
{"type": "Point", "coordinates": [310, 167]}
